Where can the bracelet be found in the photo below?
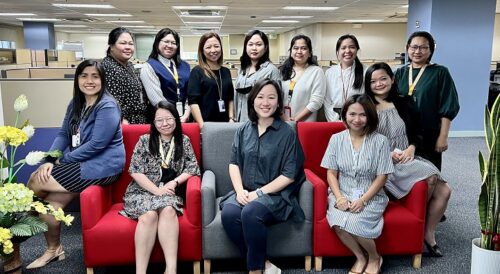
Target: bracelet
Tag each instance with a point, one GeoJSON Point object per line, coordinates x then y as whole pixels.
{"type": "Point", "coordinates": [340, 199]}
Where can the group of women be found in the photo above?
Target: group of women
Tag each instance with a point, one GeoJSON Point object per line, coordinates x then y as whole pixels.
{"type": "Point", "coordinates": [397, 128]}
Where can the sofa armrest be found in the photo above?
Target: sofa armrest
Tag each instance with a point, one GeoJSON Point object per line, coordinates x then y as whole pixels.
{"type": "Point", "coordinates": [95, 201]}
{"type": "Point", "coordinates": [193, 200]}
{"type": "Point", "coordinates": [208, 197]}
{"type": "Point", "coordinates": [306, 199]}
{"type": "Point", "coordinates": [416, 200]}
{"type": "Point", "coordinates": [320, 195]}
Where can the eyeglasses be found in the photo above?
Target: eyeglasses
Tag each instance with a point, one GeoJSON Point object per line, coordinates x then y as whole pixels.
{"type": "Point", "coordinates": [421, 48]}
{"type": "Point", "coordinates": [172, 43]}
{"type": "Point", "coordinates": [160, 121]}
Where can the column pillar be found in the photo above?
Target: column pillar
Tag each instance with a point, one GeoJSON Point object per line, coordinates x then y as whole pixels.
{"type": "Point", "coordinates": [39, 35]}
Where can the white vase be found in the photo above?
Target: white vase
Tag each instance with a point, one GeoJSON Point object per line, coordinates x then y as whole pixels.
{"type": "Point", "coordinates": [484, 261]}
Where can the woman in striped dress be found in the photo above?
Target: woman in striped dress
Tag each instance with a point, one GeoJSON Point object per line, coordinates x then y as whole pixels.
{"type": "Point", "coordinates": [398, 121]}
{"type": "Point", "coordinates": [358, 162]}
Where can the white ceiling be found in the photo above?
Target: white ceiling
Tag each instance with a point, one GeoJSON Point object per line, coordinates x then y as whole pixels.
{"type": "Point", "coordinates": [240, 16]}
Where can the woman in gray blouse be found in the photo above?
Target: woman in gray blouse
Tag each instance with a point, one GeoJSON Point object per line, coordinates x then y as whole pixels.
{"type": "Point", "coordinates": [358, 161]}
{"type": "Point", "coordinates": [255, 66]}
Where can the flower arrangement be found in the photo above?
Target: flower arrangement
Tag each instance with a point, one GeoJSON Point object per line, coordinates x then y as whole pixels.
{"type": "Point", "coordinates": [18, 203]}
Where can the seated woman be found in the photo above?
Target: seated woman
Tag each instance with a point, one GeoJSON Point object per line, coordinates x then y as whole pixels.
{"type": "Point", "coordinates": [162, 162]}
{"type": "Point", "coordinates": [400, 123]}
{"type": "Point", "coordinates": [265, 189]}
{"type": "Point", "coordinates": [92, 133]}
{"type": "Point", "coordinates": [358, 162]}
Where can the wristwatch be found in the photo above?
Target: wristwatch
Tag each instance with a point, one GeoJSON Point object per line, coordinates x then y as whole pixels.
{"type": "Point", "coordinates": [259, 192]}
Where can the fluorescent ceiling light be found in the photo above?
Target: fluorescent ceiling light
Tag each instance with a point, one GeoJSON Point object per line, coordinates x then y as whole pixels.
{"type": "Point", "coordinates": [125, 22]}
{"type": "Point", "coordinates": [108, 14]}
{"type": "Point", "coordinates": [268, 27]}
{"type": "Point", "coordinates": [16, 14]}
{"type": "Point", "coordinates": [310, 8]}
{"type": "Point", "coordinates": [292, 17]}
{"type": "Point", "coordinates": [405, 6]}
{"type": "Point", "coordinates": [280, 21]}
{"type": "Point", "coordinates": [87, 6]}
{"type": "Point", "coordinates": [70, 26]}
{"type": "Point", "coordinates": [362, 20]}
{"type": "Point", "coordinates": [266, 30]}
{"type": "Point", "coordinates": [40, 19]}
{"type": "Point", "coordinates": [201, 16]}
{"type": "Point", "coordinates": [139, 27]}
{"type": "Point", "coordinates": [200, 7]}
{"type": "Point", "coordinates": [207, 23]}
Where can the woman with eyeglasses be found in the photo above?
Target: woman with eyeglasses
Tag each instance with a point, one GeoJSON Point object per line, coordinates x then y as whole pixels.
{"type": "Point", "coordinates": [161, 164]}
{"type": "Point", "coordinates": [344, 79]}
{"type": "Point", "coordinates": [433, 90]}
{"type": "Point", "coordinates": [121, 80]}
{"type": "Point", "coordinates": [165, 75]}
{"type": "Point", "coordinates": [210, 86]}
{"type": "Point", "coordinates": [302, 81]}
{"type": "Point", "coordinates": [255, 66]}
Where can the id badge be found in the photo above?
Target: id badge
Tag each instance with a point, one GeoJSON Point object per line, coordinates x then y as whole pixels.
{"type": "Point", "coordinates": [180, 108]}
{"type": "Point", "coordinates": [222, 106]}
{"type": "Point", "coordinates": [75, 140]}
{"type": "Point", "coordinates": [357, 193]}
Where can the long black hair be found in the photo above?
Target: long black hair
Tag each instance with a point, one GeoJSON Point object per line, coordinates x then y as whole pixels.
{"type": "Point", "coordinates": [154, 134]}
{"type": "Point", "coordinates": [358, 68]}
{"type": "Point", "coordinates": [287, 68]}
{"type": "Point", "coordinates": [160, 35]}
{"type": "Point", "coordinates": [114, 35]}
{"type": "Point", "coordinates": [393, 92]}
{"type": "Point", "coordinates": [79, 101]}
{"type": "Point", "coordinates": [245, 59]}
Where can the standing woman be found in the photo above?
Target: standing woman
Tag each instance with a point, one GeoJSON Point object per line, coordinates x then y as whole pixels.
{"type": "Point", "coordinates": [400, 124]}
{"type": "Point", "coordinates": [265, 190]}
{"type": "Point", "coordinates": [358, 162]}
{"type": "Point", "coordinates": [255, 66]}
{"type": "Point", "coordinates": [165, 75]}
{"type": "Point", "coordinates": [122, 82]}
{"type": "Point", "coordinates": [344, 79]}
{"type": "Point", "coordinates": [434, 93]}
{"type": "Point", "coordinates": [302, 81]}
{"type": "Point", "coordinates": [210, 87]}
{"type": "Point", "coordinates": [162, 162]}
{"type": "Point", "coordinates": [92, 133]}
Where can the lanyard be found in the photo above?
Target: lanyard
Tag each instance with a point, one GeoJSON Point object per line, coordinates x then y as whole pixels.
{"type": "Point", "coordinates": [412, 84]}
{"type": "Point", "coordinates": [166, 160]}
{"type": "Point", "coordinates": [175, 75]}
{"type": "Point", "coordinates": [219, 87]}
{"type": "Point", "coordinates": [345, 89]}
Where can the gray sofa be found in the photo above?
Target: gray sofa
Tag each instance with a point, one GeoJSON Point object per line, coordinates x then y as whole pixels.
{"type": "Point", "coordinates": [287, 239]}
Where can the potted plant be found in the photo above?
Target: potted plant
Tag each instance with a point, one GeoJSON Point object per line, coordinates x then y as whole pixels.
{"type": "Point", "coordinates": [486, 250]}
{"type": "Point", "coordinates": [19, 207]}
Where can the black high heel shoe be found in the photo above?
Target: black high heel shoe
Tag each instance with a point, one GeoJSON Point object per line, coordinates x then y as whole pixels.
{"type": "Point", "coordinates": [434, 251]}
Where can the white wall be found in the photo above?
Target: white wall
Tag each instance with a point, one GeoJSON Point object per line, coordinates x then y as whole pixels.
{"type": "Point", "coordinates": [313, 31]}
{"type": "Point", "coordinates": [94, 45]}
{"type": "Point", "coordinates": [10, 33]}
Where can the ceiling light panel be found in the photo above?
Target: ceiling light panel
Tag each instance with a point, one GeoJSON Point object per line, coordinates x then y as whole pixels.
{"type": "Point", "coordinates": [85, 6]}
{"type": "Point", "coordinates": [17, 14]}
{"type": "Point", "coordinates": [108, 14]}
{"type": "Point", "coordinates": [280, 21]}
{"type": "Point", "coordinates": [310, 8]}
{"type": "Point", "coordinates": [206, 13]}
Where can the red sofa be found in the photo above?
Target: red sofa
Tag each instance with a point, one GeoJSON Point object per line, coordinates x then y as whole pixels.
{"type": "Point", "coordinates": [404, 219]}
{"type": "Point", "coordinates": [108, 237]}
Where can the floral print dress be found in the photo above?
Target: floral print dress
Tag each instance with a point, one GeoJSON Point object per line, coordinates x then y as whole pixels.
{"type": "Point", "coordinates": [138, 200]}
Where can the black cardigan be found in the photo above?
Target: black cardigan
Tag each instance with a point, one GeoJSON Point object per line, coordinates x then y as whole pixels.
{"type": "Point", "coordinates": [407, 111]}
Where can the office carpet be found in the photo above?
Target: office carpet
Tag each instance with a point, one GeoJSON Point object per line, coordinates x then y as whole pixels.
{"type": "Point", "coordinates": [460, 169]}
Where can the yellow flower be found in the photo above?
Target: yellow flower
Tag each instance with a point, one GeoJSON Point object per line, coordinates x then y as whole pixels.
{"type": "Point", "coordinates": [21, 103]}
{"type": "Point", "coordinates": [39, 207]}
{"type": "Point", "coordinates": [5, 234]}
{"type": "Point", "coordinates": [12, 136]}
{"type": "Point", "coordinates": [8, 247]}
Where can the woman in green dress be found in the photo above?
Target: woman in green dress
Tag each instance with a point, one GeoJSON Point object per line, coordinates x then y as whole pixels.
{"type": "Point", "coordinates": [434, 93]}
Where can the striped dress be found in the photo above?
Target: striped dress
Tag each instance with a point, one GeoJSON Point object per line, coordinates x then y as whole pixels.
{"type": "Point", "coordinates": [405, 175]}
{"type": "Point", "coordinates": [357, 170]}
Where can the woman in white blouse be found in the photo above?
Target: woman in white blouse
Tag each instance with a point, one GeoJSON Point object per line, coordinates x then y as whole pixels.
{"type": "Point", "coordinates": [344, 79]}
{"type": "Point", "coordinates": [302, 81]}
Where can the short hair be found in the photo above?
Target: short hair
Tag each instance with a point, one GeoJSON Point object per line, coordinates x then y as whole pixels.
{"type": "Point", "coordinates": [428, 37]}
{"type": "Point", "coordinates": [358, 70]}
{"type": "Point", "coordinates": [78, 95]}
{"type": "Point", "coordinates": [154, 142]}
{"type": "Point", "coordinates": [114, 35]}
{"type": "Point", "coordinates": [368, 106]}
{"type": "Point", "coordinates": [202, 60]}
{"type": "Point", "coordinates": [259, 85]}
{"type": "Point", "coordinates": [393, 92]}
{"type": "Point", "coordinates": [245, 59]}
{"type": "Point", "coordinates": [160, 35]}
{"type": "Point", "coordinates": [286, 69]}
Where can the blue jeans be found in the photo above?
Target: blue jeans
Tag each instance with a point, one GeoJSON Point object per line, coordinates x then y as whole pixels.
{"type": "Point", "coordinates": [247, 228]}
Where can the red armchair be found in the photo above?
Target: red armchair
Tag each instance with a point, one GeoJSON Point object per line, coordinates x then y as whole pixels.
{"type": "Point", "coordinates": [404, 219]}
{"type": "Point", "coordinates": [108, 237]}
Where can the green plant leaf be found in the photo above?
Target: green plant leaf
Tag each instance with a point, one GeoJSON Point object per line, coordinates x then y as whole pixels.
{"type": "Point", "coordinates": [28, 225]}
{"type": "Point", "coordinates": [54, 153]}
{"type": "Point", "coordinates": [21, 229]}
{"type": "Point", "coordinates": [4, 163]}
{"type": "Point", "coordinates": [482, 165]}
{"type": "Point", "coordinates": [488, 130]}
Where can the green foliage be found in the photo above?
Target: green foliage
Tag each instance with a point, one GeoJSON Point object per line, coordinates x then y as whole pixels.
{"type": "Point", "coordinates": [22, 224]}
{"type": "Point", "coordinates": [489, 198]}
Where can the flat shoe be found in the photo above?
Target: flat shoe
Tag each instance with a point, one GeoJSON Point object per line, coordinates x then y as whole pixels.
{"type": "Point", "coordinates": [380, 261]}
{"type": "Point", "coordinates": [272, 269]}
{"type": "Point", "coordinates": [56, 255]}
{"type": "Point", "coordinates": [434, 251]}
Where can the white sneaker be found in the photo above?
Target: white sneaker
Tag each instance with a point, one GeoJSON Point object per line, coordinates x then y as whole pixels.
{"type": "Point", "coordinates": [271, 268]}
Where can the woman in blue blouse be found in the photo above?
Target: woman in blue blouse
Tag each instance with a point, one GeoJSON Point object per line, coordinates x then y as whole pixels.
{"type": "Point", "coordinates": [265, 190]}
{"type": "Point", "coordinates": [95, 155]}
{"type": "Point", "coordinates": [165, 75]}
